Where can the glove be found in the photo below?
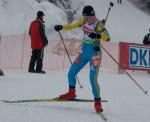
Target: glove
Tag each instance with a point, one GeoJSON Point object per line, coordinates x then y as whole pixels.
{"type": "Point", "coordinates": [103, 21]}
{"type": "Point", "coordinates": [58, 27]}
{"type": "Point", "coordinates": [97, 48]}
{"type": "Point", "coordinates": [95, 36]}
{"type": "Point", "coordinates": [108, 40]}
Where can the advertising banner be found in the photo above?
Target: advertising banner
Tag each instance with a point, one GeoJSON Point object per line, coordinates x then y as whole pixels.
{"type": "Point", "coordinates": [134, 56]}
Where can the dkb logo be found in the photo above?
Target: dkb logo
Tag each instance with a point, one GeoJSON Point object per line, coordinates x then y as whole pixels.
{"type": "Point", "coordinates": [139, 57]}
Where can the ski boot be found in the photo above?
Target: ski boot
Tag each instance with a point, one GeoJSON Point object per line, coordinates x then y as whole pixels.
{"type": "Point", "coordinates": [69, 95]}
{"type": "Point", "coordinates": [98, 105]}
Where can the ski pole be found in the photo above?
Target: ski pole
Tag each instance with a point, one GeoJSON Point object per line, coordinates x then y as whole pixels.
{"type": "Point", "coordinates": [142, 89]}
{"type": "Point", "coordinates": [110, 5]}
{"type": "Point", "coordinates": [69, 57]}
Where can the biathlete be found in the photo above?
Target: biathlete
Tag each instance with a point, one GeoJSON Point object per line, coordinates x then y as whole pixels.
{"type": "Point", "coordinates": [94, 31]}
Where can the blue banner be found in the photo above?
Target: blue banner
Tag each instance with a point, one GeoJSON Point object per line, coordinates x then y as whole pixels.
{"type": "Point", "coordinates": [139, 57]}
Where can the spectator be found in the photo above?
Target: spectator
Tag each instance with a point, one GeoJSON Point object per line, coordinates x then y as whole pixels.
{"type": "Point", "coordinates": [119, 1]}
{"type": "Point", "coordinates": [1, 72]}
{"type": "Point", "coordinates": [146, 41]}
{"type": "Point", "coordinates": [38, 42]}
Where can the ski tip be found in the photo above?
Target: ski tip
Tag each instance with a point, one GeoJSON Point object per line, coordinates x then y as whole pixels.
{"type": "Point", "coordinates": [5, 101]}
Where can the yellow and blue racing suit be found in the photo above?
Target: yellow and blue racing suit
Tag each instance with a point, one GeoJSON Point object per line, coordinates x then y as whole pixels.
{"type": "Point", "coordinates": [88, 54]}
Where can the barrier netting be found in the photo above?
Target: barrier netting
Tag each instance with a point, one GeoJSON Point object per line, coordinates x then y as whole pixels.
{"type": "Point", "coordinates": [15, 53]}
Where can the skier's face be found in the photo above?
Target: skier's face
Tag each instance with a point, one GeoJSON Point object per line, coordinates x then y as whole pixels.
{"type": "Point", "coordinates": [90, 19]}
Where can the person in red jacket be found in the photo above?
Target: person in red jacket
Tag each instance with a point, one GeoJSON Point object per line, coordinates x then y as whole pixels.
{"type": "Point", "coordinates": [38, 42]}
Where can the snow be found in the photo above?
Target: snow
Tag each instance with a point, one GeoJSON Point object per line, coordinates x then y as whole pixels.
{"type": "Point", "coordinates": [126, 102]}
{"type": "Point", "coordinates": [18, 14]}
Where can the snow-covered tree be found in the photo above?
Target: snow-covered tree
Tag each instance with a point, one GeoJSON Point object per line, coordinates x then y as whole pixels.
{"type": "Point", "coordinates": [70, 7]}
{"type": "Point", "coordinates": [142, 4]}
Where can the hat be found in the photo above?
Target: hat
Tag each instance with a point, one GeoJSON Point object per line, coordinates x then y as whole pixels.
{"type": "Point", "coordinates": [88, 11]}
{"type": "Point", "coordinates": [40, 13]}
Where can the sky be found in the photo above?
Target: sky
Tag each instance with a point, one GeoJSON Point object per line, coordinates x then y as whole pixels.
{"type": "Point", "coordinates": [126, 102]}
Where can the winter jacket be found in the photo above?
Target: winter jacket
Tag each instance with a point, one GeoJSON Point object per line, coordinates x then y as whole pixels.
{"type": "Point", "coordinates": [37, 34]}
{"type": "Point", "coordinates": [146, 39]}
{"type": "Point", "coordinates": [99, 28]}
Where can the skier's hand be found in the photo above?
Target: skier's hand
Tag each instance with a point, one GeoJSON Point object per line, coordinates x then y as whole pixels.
{"type": "Point", "coordinates": [103, 21]}
{"type": "Point", "coordinates": [95, 36]}
{"type": "Point", "coordinates": [58, 27]}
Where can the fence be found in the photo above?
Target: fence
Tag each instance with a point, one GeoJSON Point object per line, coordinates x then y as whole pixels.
{"type": "Point", "coordinates": [15, 53]}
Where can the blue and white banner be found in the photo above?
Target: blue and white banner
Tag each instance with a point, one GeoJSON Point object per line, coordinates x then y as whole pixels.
{"type": "Point", "coordinates": [139, 57]}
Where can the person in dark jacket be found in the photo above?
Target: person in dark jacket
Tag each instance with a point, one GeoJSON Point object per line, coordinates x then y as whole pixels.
{"type": "Point", "coordinates": [38, 42]}
{"type": "Point", "coordinates": [1, 72]}
{"type": "Point", "coordinates": [146, 39]}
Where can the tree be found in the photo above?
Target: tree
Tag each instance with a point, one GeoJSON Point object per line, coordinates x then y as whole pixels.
{"type": "Point", "coordinates": [66, 6]}
{"type": "Point", "coordinates": [142, 4]}
{"type": "Point", "coordinates": [70, 7]}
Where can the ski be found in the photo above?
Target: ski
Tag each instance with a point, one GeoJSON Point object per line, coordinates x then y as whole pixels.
{"type": "Point", "coordinates": [102, 116]}
{"type": "Point", "coordinates": [49, 100]}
